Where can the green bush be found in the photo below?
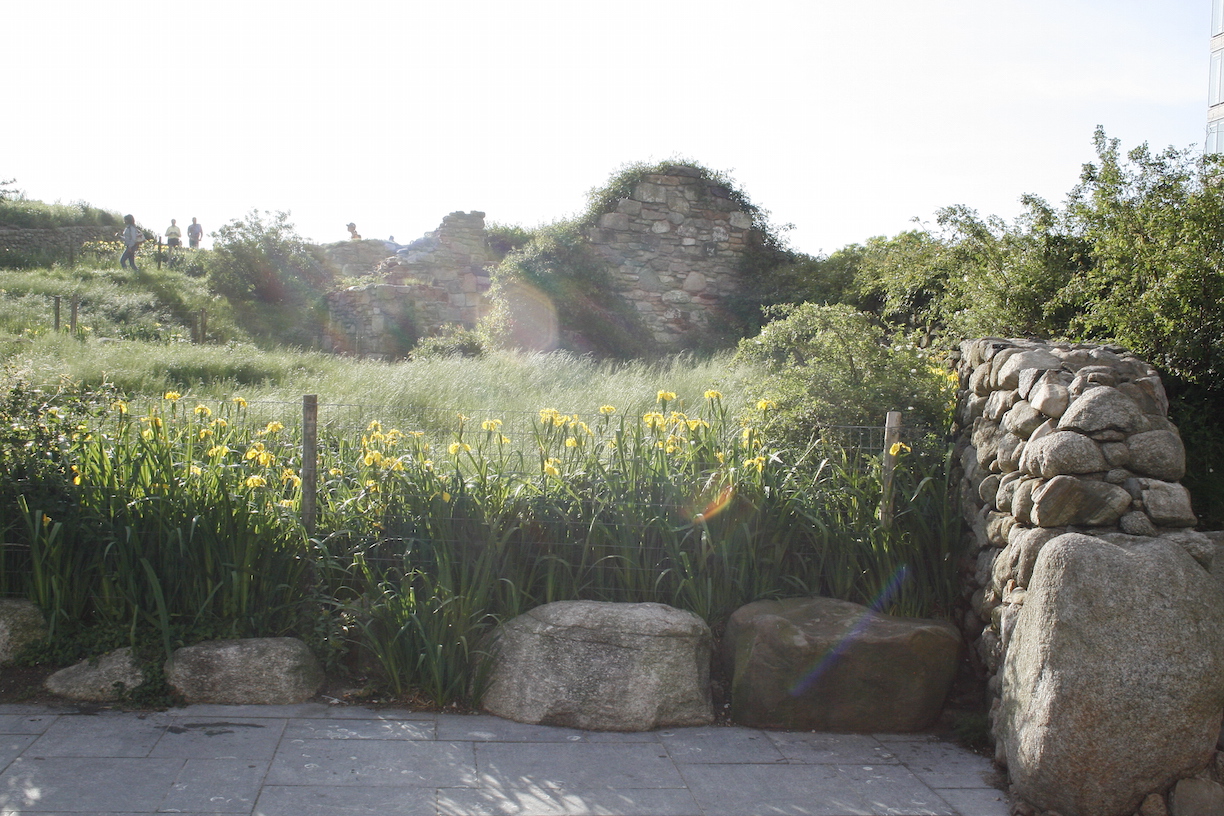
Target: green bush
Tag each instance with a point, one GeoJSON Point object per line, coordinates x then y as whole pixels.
{"type": "Point", "coordinates": [832, 365]}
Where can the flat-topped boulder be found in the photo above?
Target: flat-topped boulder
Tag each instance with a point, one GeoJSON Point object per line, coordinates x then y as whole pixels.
{"type": "Point", "coordinates": [250, 671]}
{"type": "Point", "coordinates": [829, 665]}
{"type": "Point", "coordinates": [602, 667]}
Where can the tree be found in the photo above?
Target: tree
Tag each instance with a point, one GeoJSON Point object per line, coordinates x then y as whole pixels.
{"type": "Point", "coordinates": [262, 258]}
{"type": "Point", "coordinates": [1156, 226]}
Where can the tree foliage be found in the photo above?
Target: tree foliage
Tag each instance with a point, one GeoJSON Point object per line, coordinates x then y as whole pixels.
{"type": "Point", "coordinates": [834, 365]}
{"type": "Point", "coordinates": [262, 258]}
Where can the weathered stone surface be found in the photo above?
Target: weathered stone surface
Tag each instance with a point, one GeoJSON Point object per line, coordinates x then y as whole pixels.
{"type": "Point", "coordinates": [1060, 453]}
{"type": "Point", "coordinates": [829, 665]}
{"type": "Point", "coordinates": [1028, 542]}
{"type": "Point", "coordinates": [1196, 797]}
{"type": "Point", "coordinates": [101, 680]}
{"type": "Point", "coordinates": [1167, 503]}
{"type": "Point", "coordinates": [1050, 398]}
{"type": "Point", "coordinates": [1159, 454]}
{"type": "Point", "coordinates": [602, 666]}
{"type": "Point", "coordinates": [21, 623]}
{"type": "Point", "coordinates": [1022, 419]}
{"type": "Point", "coordinates": [1066, 500]}
{"type": "Point", "coordinates": [251, 671]}
{"type": "Point", "coordinates": [1114, 680]}
{"type": "Point", "coordinates": [1100, 409]}
{"type": "Point", "coordinates": [1009, 371]}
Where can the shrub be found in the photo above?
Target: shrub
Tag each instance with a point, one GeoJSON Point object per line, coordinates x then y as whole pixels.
{"type": "Point", "coordinates": [832, 365]}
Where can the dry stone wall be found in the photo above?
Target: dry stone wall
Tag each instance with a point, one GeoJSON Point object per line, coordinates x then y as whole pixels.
{"type": "Point", "coordinates": [60, 240]}
{"type": "Point", "coordinates": [1094, 612]}
{"type": "Point", "coordinates": [433, 282]}
{"type": "Point", "coordinates": [673, 248]}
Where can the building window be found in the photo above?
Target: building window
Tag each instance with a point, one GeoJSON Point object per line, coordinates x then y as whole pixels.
{"type": "Point", "coordinates": [1215, 83]}
{"type": "Point", "coordinates": [1215, 137]}
{"type": "Point", "coordinates": [1217, 17]}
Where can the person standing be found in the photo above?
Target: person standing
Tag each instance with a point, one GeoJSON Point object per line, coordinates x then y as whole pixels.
{"type": "Point", "coordinates": [132, 237]}
{"type": "Point", "coordinates": [174, 235]}
{"type": "Point", "coordinates": [194, 233]}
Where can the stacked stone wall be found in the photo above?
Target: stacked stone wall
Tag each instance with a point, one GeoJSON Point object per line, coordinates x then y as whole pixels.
{"type": "Point", "coordinates": [352, 258]}
{"type": "Point", "coordinates": [436, 281]}
{"type": "Point", "coordinates": [66, 241]}
{"type": "Point", "coordinates": [1071, 489]}
{"type": "Point", "coordinates": [673, 249]}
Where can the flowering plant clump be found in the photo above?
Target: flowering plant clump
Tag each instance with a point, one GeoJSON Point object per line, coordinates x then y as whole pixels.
{"type": "Point", "coordinates": [422, 540]}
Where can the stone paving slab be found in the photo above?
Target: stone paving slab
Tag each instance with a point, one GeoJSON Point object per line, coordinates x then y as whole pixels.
{"type": "Point", "coordinates": [322, 760]}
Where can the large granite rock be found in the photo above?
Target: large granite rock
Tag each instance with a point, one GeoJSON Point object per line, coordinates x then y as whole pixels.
{"type": "Point", "coordinates": [1113, 682]}
{"type": "Point", "coordinates": [252, 671]}
{"type": "Point", "coordinates": [602, 667]}
{"type": "Point", "coordinates": [99, 680]}
{"type": "Point", "coordinates": [829, 665]}
{"type": "Point", "coordinates": [21, 623]}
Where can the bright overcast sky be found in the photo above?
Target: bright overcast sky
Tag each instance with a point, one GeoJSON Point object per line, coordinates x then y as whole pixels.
{"type": "Point", "coordinates": [846, 119]}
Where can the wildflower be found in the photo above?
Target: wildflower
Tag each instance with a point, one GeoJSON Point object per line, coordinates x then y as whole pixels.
{"type": "Point", "coordinates": [445, 496]}
{"type": "Point", "coordinates": [395, 464]}
{"type": "Point", "coordinates": [256, 481]}
{"type": "Point", "coordinates": [203, 410]}
{"type": "Point", "coordinates": [455, 447]}
{"type": "Point", "coordinates": [551, 416]}
{"type": "Point", "coordinates": [240, 402]}
{"type": "Point", "coordinates": [694, 424]}
{"type": "Point", "coordinates": [147, 433]}
{"type": "Point", "coordinates": [173, 396]}
{"type": "Point", "coordinates": [653, 420]}
{"type": "Point", "coordinates": [218, 451]}
{"type": "Point", "coordinates": [898, 448]}
{"type": "Point", "coordinates": [76, 475]}
{"type": "Point", "coordinates": [571, 442]}
{"type": "Point", "coordinates": [287, 503]}
{"type": "Point", "coordinates": [218, 423]}
{"type": "Point", "coordinates": [374, 426]}
{"type": "Point", "coordinates": [371, 485]}
{"type": "Point", "coordinates": [119, 406]}
{"type": "Point", "coordinates": [394, 436]}
{"type": "Point", "coordinates": [54, 413]}
{"type": "Point", "coordinates": [491, 424]}
{"type": "Point", "coordinates": [758, 462]}
{"type": "Point", "coordinates": [713, 395]}
{"type": "Point", "coordinates": [582, 426]}
{"type": "Point", "coordinates": [550, 467]}
{"type": "Point", "coordinates": [607, 409]}
{"type": "Point", "coordinates": [666, 396]}
{"type": "Point", "coordinates": [372, 458]}
{"type": "Point", "coordinates": [273, 427]}
{"type": "Point", "coordinates": [335, 472]}
{"type": "Point", "coordinates": [288, 476]}
{"type": "Point", "coordinates": [195, 470]}
{"type": "Point", "coordinates": [153, 420]}
{"type": "Point", "coordinates": [416, 434]}
{"type": "Point", "coordinates": [766, 405]}
{"type": "Point", "coordinates": [721, 457]}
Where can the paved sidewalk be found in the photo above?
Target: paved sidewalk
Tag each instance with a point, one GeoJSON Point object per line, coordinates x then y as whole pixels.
{"type": "Point", "coordinates": [314, 759]}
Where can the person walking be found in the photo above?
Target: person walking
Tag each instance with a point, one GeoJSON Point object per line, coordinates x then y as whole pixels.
{"type": "Point", "coordinates": [194, 233]}
{"type": "Point", "coordinates": [174, 235]}
{"type": "Point", "coordinates": [132, 237]}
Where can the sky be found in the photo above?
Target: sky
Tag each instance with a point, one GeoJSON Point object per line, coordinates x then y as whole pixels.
{"type": "Point", "coordinates": [846, 119]}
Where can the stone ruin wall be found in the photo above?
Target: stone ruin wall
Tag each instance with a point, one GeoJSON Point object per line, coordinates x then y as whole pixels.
{"type": "Point", "coordinates": [673, 249]}
{"type": "Point", "coordinates": [60, 240]}
{"type": "Point", "coordinates": [437, 281]}
{"type": "Point", "coordinates": [1068, 438]}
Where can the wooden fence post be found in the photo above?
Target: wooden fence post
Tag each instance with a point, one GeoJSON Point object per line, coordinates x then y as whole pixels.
{"type": "Point", "coordinates": [72, 319]}
{"type": "Point", "coordinates": [892, 435]}
{"type": "Point", "coordinates": [57, 314]}
{"type": "Point", "coordinates": [310, 464]}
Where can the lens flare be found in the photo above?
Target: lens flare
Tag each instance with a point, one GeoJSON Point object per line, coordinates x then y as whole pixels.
{"type": "Point", "coordinates": [830, 657]}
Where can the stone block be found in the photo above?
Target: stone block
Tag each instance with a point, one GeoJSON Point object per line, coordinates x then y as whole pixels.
{"type": "Point", "coordinates": [829, 665]}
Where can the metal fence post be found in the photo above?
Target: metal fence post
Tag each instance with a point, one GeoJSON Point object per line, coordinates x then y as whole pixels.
{"type": "Point", "coordinates": [310, 464]}
{"type": "Point", "coordinates": [892, 435]}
